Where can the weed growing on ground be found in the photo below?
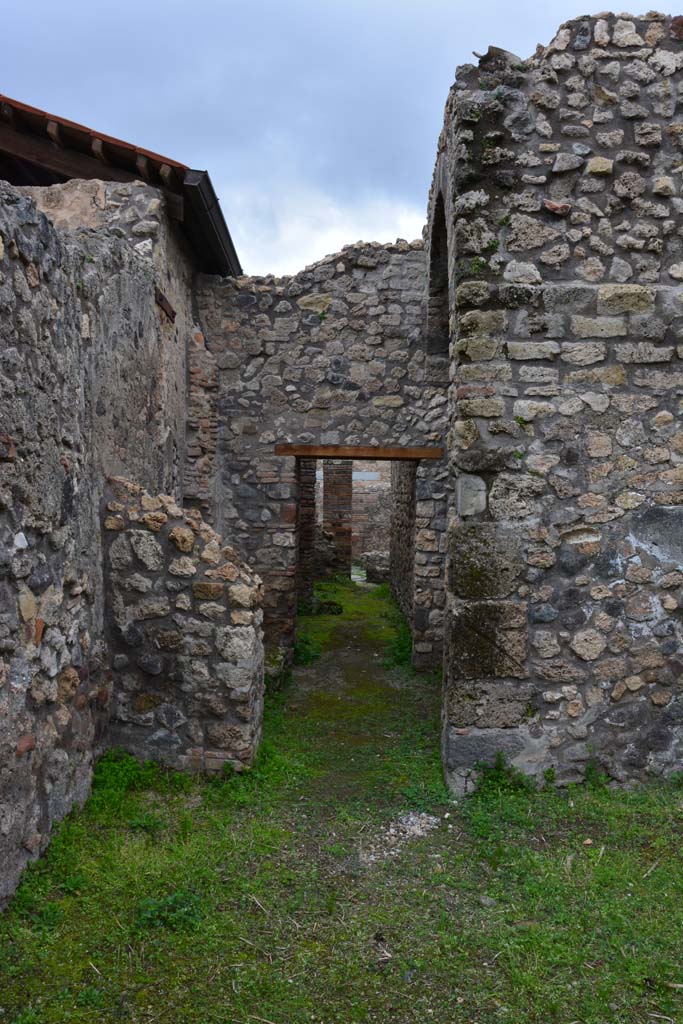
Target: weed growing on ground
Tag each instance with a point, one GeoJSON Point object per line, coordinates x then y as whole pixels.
{"type": "Point", "coordinates": [177, 910]}
{"type": "Point", "coordinates": [176, 900]}
{"type": "Point", "coordinates": [306, 651]}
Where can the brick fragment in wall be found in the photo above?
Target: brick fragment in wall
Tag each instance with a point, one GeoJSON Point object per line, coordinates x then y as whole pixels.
{"type": "Point", "coordinates": [337, 520]}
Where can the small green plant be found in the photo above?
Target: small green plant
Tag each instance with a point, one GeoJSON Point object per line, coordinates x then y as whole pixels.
{"type": "Point", "coordinates": [28, 1016]}
{"type": "Point", "coordinates": [91, 996]}
{"type": "Point", "coordinates": [518, 455]}
{"type": "Point", "coordinates": [477, 266]}
{"type": "Point", "coordinates": [177, 911]}
{"type": "Point", "coordinates": [46, 916]}
{"type": "Point", "coordinates": [73, 882]}
{"type": "Point", "coordinates": [118, 772]}
{"type": "Point", "coordinates": [502, 777]}
{"type": "Point", "coordinates": [425, 794]}
{"type": "Point", "coordinates": [504, 221]}
{"type": "Point", "coordinates": [146, 822]}
{"type": "Point", "coordinates": [492, 246]}
{"type": "Point", "coordinates": [520, 421]}
{"type": "Point", "coordinates": [306, 651]}
{"type": "Point", "coordinates": [595, 779]}
{"type": "Point", "coordinates": [549, 776]}
{"type": "Point", "coordinates": [398, 652]}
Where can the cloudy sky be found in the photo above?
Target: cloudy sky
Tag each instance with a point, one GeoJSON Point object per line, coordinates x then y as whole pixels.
{"type": "Point", "coordinates": [317, 119]}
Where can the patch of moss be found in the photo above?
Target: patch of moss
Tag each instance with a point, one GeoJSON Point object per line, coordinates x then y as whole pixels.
{"type": "Point", "coordinates": [477, 266]}
{"type": "Point", "coordinates": [146, 702]}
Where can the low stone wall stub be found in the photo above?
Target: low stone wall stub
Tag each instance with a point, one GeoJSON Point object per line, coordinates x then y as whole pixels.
{"type": "Point", "coordinates": [184, 621]}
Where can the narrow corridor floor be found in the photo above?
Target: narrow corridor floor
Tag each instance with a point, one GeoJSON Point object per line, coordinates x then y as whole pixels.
{"type": "Point", "coordinates": [336, 883]}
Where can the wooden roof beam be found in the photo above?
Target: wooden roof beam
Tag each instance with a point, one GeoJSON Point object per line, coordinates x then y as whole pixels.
{"type": "Point", "coordinates": [98, 151]}
{"type": "Point", "coordinates": [52, 129]}
{"type": "Point", "coordinates": [69, 163]}
{"type": "Point", "coordinates": [142, 164]}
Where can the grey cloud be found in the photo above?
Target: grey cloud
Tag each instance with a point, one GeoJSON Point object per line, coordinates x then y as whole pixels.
{"type": "Point", "coordinates": [341, 99]}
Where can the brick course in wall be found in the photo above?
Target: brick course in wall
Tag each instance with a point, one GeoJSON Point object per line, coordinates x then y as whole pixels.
{"type": "Point", "coordinates": [337, 521]}
{"type": "Point", "coordinates": [306, 568]}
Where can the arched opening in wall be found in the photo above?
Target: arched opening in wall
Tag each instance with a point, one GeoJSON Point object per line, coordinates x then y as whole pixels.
{"type": "Point", "coordinates": [438, 330]}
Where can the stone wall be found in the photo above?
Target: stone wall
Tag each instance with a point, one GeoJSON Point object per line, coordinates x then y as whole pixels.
{"type": "Point", "coordinates": [184, 636]}
{"type": "Point", "coordinates": [334, 355]}
{"type": "Point", "coordinates": [93, 383]}
{"type": "Point", "coordinates": [96, 211]}
{"type": "Point", "coordinates": [558, 190]}
{"type": "Point", "coordinates": [92, 380]}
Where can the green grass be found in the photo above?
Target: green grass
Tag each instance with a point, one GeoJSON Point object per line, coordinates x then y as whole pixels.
{"type": "Point", "coordinates": [174, 900]}
{"type": "Point", "coordinates": [384, 626]}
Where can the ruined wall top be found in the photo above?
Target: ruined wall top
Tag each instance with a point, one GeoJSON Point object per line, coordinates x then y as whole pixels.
{"type": "Point", "coordinates": [558, 191]}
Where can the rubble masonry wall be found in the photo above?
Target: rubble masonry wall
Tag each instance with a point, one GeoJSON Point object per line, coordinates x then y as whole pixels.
{"type": "Point", "coordinates": [559, 181]}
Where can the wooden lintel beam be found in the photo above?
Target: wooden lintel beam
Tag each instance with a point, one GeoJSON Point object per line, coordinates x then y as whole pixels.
{"type": "Point", "coordinates": [70, 163]}
{"type": "Point", "coordinates": [361, 452]}
{"type": "Point", "coordinates": [7, 113]}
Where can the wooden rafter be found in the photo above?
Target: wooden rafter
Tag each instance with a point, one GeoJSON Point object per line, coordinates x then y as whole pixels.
{"type": "Point", "coordinates": [70, 163]}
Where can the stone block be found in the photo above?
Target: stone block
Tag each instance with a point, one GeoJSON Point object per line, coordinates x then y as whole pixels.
{"type": "Point", "coordinates": [470, 495]}
{"type": "Point", "coordinates": [625, 298]}
{"type": "Point", "coordinates": [487, 639]}
{"type": "Point", "coordinates": [484, 561]}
